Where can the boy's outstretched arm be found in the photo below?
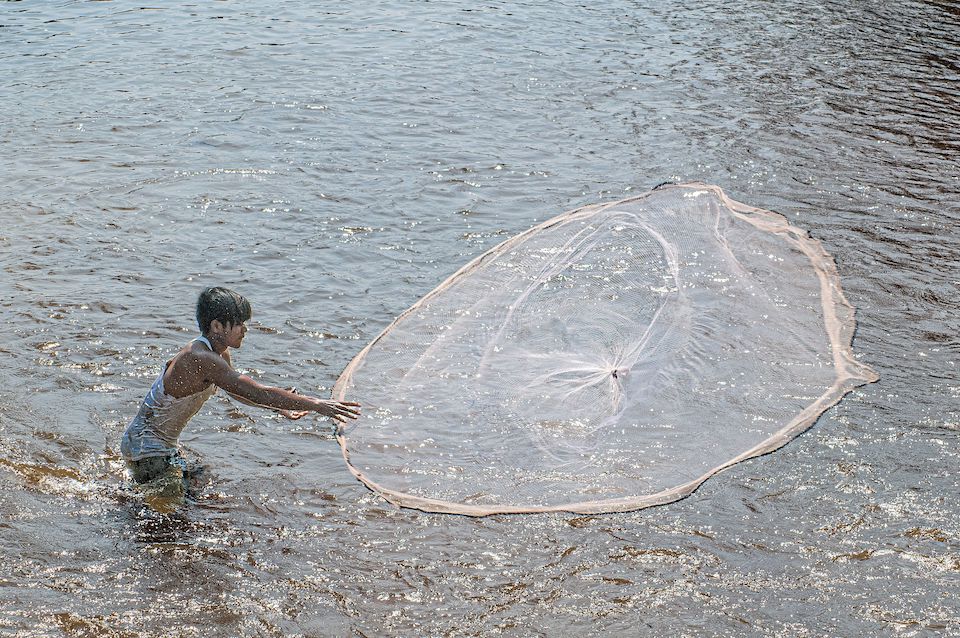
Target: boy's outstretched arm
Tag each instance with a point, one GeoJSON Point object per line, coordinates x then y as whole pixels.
{"type": "Point", "coordinates": [290, 414]}
{"type": "Point", "coordinates": [242, 386]}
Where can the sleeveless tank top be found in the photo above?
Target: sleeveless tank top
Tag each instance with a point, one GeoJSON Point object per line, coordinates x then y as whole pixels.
{"type": "Point", "coordinates": [161, 418]}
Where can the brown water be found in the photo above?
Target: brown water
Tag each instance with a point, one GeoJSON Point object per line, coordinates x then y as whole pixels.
{"type": "Point", "coordinates": [336, 162]}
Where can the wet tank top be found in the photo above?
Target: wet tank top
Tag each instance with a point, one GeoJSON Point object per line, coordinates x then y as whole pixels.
{"type": "Point", "coordinates": [156, 429]}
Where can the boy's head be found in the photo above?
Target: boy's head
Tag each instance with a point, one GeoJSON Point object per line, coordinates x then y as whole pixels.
{"type": "Point", "coordinates": [225, 306]}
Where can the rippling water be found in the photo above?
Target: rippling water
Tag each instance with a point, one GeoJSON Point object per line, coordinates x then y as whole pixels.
{"type": "Point", "coordinates": [334, 162]}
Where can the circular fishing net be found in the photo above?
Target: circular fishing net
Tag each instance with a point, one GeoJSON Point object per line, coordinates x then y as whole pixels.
{"type": "Point", "coordinates": [609, 359]}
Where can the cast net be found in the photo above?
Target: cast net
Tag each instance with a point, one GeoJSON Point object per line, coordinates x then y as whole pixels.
{"type": "Point", "coordinates": [609, 359]}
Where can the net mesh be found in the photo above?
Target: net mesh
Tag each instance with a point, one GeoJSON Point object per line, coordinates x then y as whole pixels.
{"type": "Point", "coordinates": [609, 359]}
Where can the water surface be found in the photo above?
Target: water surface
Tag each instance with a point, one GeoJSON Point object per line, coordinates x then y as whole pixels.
{"type": "Point", "coordinates": [334, 162]}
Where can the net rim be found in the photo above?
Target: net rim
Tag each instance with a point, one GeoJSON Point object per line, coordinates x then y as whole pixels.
{"type": "Point", "coordinates": [851, 373]}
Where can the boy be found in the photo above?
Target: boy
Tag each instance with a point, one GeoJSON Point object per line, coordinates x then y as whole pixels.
{"type": "Point", "coordinates": [149, 444]}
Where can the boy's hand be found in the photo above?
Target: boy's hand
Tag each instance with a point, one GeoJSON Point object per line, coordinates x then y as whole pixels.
{"type": "Point", "coordinates": [338, 410]}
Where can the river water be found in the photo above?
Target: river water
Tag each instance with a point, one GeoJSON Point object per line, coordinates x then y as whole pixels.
{"type": "Point", "coordinates": [336, 161]}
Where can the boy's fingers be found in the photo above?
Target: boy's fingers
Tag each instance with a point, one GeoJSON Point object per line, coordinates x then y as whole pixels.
{"type": "Point", "coordinates": [341, 410]}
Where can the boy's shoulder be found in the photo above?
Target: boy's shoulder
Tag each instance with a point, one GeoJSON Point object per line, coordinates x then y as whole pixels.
{"type": "Point", "coordinates": [196, 356]}
{"type": "Point", "coordinates": [196, 365]}
{"type": "Point", "coordinates": [200, 350]}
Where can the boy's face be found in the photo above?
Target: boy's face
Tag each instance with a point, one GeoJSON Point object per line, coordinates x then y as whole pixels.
{"type": "Point", "coordinates": [231, 335]}
{"type": "Point", "coordinates": [234, 335]}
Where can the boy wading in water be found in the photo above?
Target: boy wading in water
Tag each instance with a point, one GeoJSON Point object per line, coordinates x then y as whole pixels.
{"type": "Point", "coordinates": [149, 444]}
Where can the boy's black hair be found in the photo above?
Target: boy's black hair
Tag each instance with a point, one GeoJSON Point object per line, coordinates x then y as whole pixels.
{"type": "Point", "coordinates": [228, 307]}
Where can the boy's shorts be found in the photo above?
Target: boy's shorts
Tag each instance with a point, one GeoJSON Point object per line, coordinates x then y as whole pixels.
{"type": "Point", "coordinates": [154, 467]}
